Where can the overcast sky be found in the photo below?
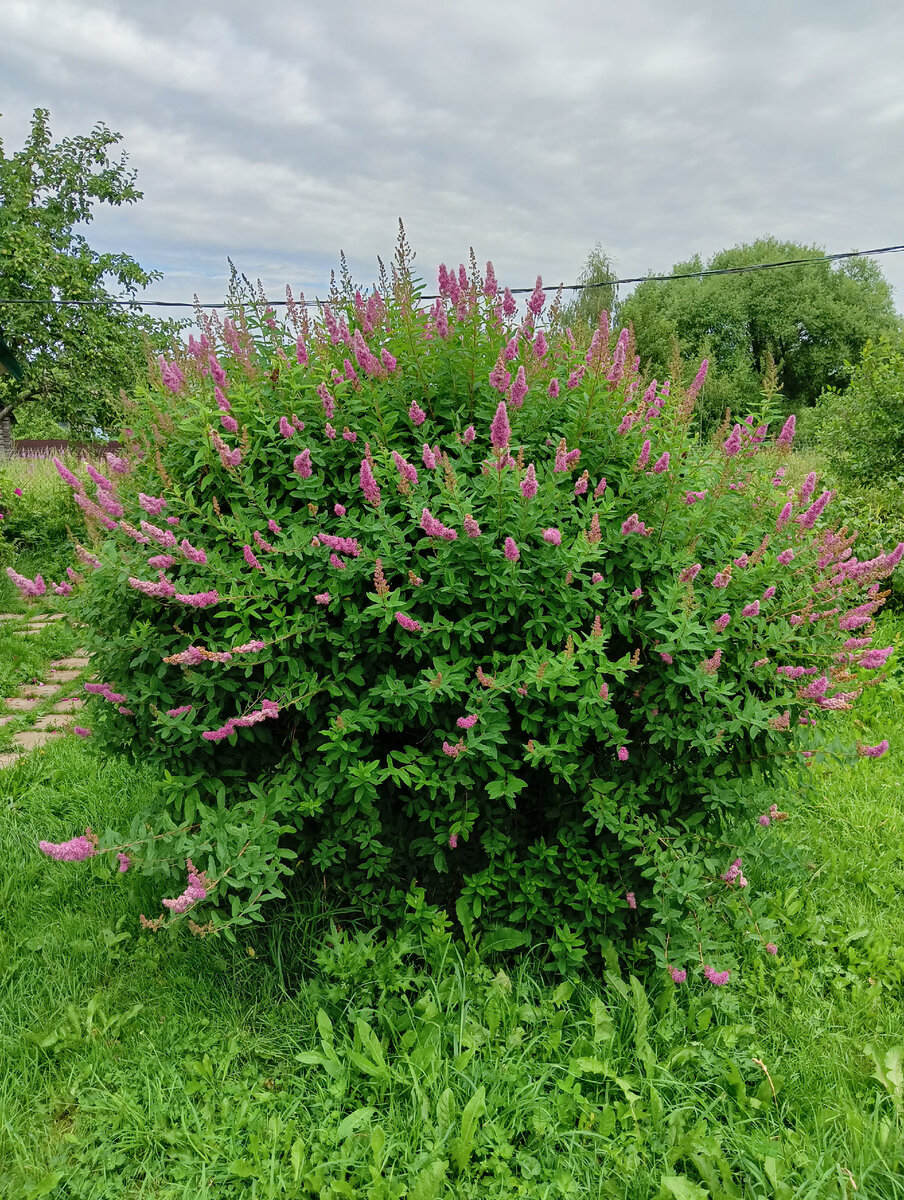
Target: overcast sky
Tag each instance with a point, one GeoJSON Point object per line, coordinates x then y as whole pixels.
{"type": "Point", "coordinates": [278, 132]}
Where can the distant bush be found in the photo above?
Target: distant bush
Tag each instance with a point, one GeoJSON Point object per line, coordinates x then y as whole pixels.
{"type": "Point", "coordinates": [449, 610]}
{"type": "Point", "coordinates": [861, 429]}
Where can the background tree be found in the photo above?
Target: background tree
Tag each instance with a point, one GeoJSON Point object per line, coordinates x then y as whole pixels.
{"type": "Point", "coordinates": [74, 359]}
{"type": "Point", "coordinates": [813, 319]}
{"type": "Point", "coordinates": [585, 306]}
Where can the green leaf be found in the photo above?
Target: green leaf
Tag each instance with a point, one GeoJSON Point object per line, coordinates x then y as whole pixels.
{"type": "Point", "coordinates": [679, 1187]}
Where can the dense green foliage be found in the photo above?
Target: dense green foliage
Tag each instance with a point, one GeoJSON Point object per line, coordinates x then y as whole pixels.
{"type": "Point", "coordinates": [860, 430]}
{"type": "Point", "coordinates": [473, 690]}
{"type": "Point", "coordinates": [75, 359]}
{"type": "Point", "coordinates": [812, 320]}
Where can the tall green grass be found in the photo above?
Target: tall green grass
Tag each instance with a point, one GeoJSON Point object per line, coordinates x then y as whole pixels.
{"type": "Point", "coordinates": [317, 1060]}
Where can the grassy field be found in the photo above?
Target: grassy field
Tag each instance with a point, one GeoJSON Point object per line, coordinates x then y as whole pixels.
{"type": "Point", "coordinates": [316, 1060]}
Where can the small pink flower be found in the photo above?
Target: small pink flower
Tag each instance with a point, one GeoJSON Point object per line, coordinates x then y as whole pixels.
{"type": "Point", "coordinates": [764, 820]}
{"type": "Point", "coordinates": [81, 732]}
{"type": "Point", "coordinates": [467, 722]}
{"type": "Point", "coordinates": [469, 435]}
{"type": "Point", "coordinates": [416, 414]}
{"type": "Point", "coordinates": [604, 695]}
{"type": "Point", "coordinates": [666, 658]}
{"type": "Point", "coordinates": [596, 577]}
{"type": "Point", "coordinates": [678, 975]}
{"type": "Point", "coordinates": [632, 902]}
{"type": "Point", "coordinates": [553, 389]}
{"type": "Point", "coordinates": [453, 842]}
{"type": "Point", "coordinates": [124, 862]}
{"type": "Point", "coordinates": [637, 593]}
{"type": "Point", "coordinates": [623, 754]}
{"type": "Point", "coordinates": [512, 553]}
{"type": "Point", "coordinates": [771, 948]}
{"type": "Point", "coordinates": [553, 536]}
{"type": "Point", "coordinates": [322, 598]}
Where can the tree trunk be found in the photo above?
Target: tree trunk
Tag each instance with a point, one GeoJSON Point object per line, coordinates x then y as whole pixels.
{"type": "Point", "coordinates": [7, 449]}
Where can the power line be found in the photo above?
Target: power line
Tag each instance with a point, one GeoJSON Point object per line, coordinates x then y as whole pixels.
{"type": "Point", "coordinates": [568, 287]}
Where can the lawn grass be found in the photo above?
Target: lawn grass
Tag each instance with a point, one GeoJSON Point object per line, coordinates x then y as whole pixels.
{"type": "Point", "coordinates": [314, 1059]}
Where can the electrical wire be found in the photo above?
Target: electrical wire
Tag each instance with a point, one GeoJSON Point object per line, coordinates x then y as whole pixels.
{"type": "Point", "coordinates": [567, 287]}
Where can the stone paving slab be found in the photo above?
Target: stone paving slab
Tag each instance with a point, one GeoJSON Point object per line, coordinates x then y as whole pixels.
{"type": "Point", "coordinates": [62, 676]}
{"type": "Point", "coordinates": [36, 691]}
{"type": "Point", "coordinates": [68, 706]}
{"type": "Point", "coordinates": [12, 616]}
{"type": "Point", "coordinates": [6, 720]}
{"type": "Point", "coordinates": [32, 738]}
{"type": "Point", "coordinates": [20, 704]}
{"type": "Point", "coordinates": [71, 664]}
{"type": "Point", "coordinates": [54, 721]}
{"type": "Point", "coordinates": [8, 760]}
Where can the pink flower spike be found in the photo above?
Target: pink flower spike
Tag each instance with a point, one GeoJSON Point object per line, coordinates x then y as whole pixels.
{"type": "Point", "coordinates": [751, 610]}
{"type": "Point", "coordinates": [537, 298]}
{"type": "Point", "coordinates": [872, 751]}
{"type": "Point", "coordinates": [771, 948]}
{"type": "Point", "coordinates": [553, 389]}
{"type": "Point", "coordinates": [519, 389]}
{"type": "Point", "coordinates": [500, 430]}
{"type": "Point", "coordinates": [251, 559]}
{"type": "Point", "coordinates": [661, 464]}
{"type": "Point", "coordinates": [79, 731]}
{"type": "Point", "coordinates": [416, 414]}
{"type": "Point", "coordinates": [623, 754]}
{"type": "Point", "coordinates": [472, 529]}
{"type": "Point", "coordinates": [467, 722]}
{"type": "Point", "coordinates": [644, 457]}
{"type": "Point", "coordinates": [678, 975]}
{"type": "Point", "coordinates": [453, 842]}
{"type": "Point", "coordinates": [732, 444]}
{"type": "Point", "coordinates": [596, 577]}
{"type": "Point", "coordinates": [77, 849]}
{"type": "Point", "coordinates": [469, 435]}
{"type": "Point", "coordinates": [553, 536]}
{"type": "Point", "coordinates": [604, 694]}
{"type": "Point", "coordinates": [512, 553]}
{"type": "Point", "coordinates": [529, 485]}
{"type": "Point", "coordinates": [408, 623]}
{"type": "Point", "coordinates": [302, 465]}
{"type": "Point", "coordinates": [764, 819]}
{"type": "Point", "coordinates": [716, 978]}
{"type": "Point", "coordinates": [786, 437]}
{"type": "Point", "coordinates": [322, 598]}
{"type": "Point", "coordinates": [66, 475]}
{"type": "Point", "coordinates": [124, 862]}
{"type": "Point", "coordinates": [369, 484]}
{"type": "Point", "coordinates": [285, 428]}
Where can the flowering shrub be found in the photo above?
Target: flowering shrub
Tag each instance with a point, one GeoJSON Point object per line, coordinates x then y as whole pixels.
{"type": "Point", "coordinates": [450, 609]}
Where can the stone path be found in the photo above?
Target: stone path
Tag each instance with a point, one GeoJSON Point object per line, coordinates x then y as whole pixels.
{"type": "Point", "coordinates": [60, 717]}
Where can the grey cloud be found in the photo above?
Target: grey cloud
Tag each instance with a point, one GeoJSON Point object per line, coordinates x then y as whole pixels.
{"type": "Point", "coordinates": [279, 133]}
